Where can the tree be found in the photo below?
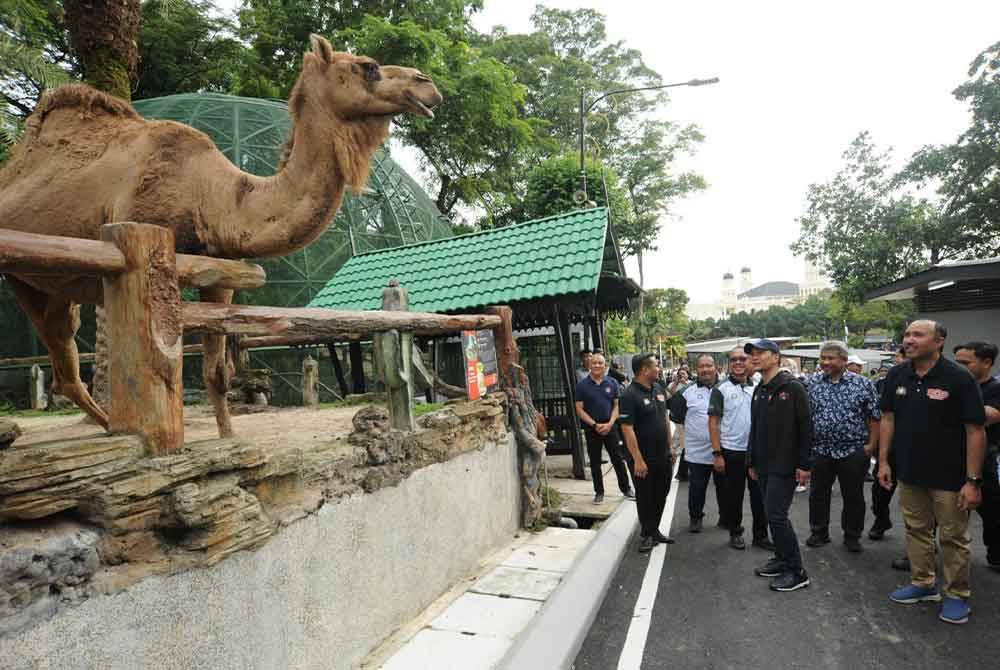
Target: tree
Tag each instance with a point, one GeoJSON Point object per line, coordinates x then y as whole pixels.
{"type": "Point", "coordinates": [865, 231]}
{"type": "Point", "coordinates": [550, 188]}
{"type": "Point", "coordinates": [663, 317]}
{"type": "Point", "coordinates": [184, 47]}
{"type": "Point", "coordinates": [620, 338]}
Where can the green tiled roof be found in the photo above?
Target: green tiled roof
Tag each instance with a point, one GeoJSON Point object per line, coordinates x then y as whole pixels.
{"type": "Point", "coordinates": [558, 255]}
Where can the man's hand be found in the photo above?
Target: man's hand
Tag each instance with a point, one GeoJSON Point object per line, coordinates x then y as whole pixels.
{"type": "Point", "coordinates": [719, 464]}
{"type": "Point", "coordinates": [602, 428]}
{"type": "Point", "coordinates": [885, 476]}
{"type": "Point", "coordinates": [641, 470]}
{"type": "Point", "coordinates": [870, 449]}
{"type": "Point", "coordinates": [802, 476]}
{"type": "Point", "coordinates": [752, 473]}
{"type": "Point", "coordinates": [969, 497]}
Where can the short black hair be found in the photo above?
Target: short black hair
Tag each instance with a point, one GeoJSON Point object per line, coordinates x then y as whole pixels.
{"type": "Point", "coordinates": [705, 355]}
{"type": "Point", "coordinates": [642, 361]}
{"type": "Point", "coordinates": [584, 351]}
{"type": "Point", "coordinates": [982, 350]}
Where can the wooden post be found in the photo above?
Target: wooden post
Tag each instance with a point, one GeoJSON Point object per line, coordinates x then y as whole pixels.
{"type": "Point", "coordinates": [595, 330]}
{"type": "Point", "coordinates": [357, 367]}
{"type": "Point", "coordinates": [338, 369]}
{"type": "Point", "coordinates": [144, 327]}
{"type": "Point", "coordinates": [561, 323]}
{"type": "Point", "coordinates": [36, 388]}
{"type": "Point", "coordinates": [394, 358]}
{"type": "Point", "coordinates": [310, 381]}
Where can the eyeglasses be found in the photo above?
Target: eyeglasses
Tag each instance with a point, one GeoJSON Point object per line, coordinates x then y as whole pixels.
{"type": "Point", "coordinates": [736, 359]}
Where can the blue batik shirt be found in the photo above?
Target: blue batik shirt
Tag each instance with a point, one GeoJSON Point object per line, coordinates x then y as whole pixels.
{"type": "Point", "coordinates": [840, 413]}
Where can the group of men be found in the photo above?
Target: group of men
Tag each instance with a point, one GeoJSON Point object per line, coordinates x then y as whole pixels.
{"type": "Point", "coordinates": [933, 424]}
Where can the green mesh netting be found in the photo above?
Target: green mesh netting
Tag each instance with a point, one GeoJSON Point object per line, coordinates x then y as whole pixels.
{"type": "Point", "coordinates": [393, 210]}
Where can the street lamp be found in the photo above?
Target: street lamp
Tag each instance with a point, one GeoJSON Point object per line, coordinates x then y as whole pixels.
{"type": "Point", "coordinates": [580, 197]}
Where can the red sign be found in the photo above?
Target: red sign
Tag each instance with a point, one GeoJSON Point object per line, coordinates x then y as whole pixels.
{"type": "Point", "coordinates": [480, 353]}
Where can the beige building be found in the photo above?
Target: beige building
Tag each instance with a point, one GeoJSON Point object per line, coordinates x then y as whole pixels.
{"type": "Point", "coordinates": [744, 296]}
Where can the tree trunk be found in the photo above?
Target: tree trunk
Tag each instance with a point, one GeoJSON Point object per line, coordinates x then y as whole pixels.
{"type": "Point", "coordinates": [105, 36]}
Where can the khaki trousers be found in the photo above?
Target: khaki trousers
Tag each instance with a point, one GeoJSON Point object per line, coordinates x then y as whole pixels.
{"type": "Point", "coordinates": [923, 510]}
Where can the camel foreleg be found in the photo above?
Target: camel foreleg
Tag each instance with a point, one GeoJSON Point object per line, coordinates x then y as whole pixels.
{"type": "Point", "coordinates": [57, 320]}
{"type": "Point", "coordinates": [215, 366]}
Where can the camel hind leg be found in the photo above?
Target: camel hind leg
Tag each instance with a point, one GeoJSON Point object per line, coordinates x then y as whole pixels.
{"type": "Point", "coordinates": [215, 366]}
{"type": "Point", "coordinates": [57, 320]}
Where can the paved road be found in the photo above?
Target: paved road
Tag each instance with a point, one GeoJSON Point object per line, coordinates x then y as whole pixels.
{"type": "Point", "coordinates": [710, 611]}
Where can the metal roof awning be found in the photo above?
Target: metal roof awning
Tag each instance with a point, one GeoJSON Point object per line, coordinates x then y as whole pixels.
{"type": "Point", "coordinates": [940, 276]}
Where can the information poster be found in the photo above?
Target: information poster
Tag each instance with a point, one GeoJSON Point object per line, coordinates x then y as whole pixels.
{"type": "Point", "coordinates": [480, 363]}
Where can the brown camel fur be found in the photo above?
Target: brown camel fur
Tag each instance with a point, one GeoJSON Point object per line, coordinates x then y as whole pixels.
{"type": "Point", "coordinates": [87, 159]}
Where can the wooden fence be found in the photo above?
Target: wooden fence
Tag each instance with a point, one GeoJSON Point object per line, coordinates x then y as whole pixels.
{"type": "Point", "coordinates": [146, 319]}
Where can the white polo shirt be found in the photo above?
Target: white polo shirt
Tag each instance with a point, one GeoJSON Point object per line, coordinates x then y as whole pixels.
{"type": "Point", "coordinates": [731, 401]}
{"type": "Point", "coordinates": [697, 445]}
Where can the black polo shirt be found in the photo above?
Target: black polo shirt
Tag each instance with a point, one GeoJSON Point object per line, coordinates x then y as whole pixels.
{"type": "Point", "coordinates": [645, 409]}
{"type": "Point", "coordinates": [598, 399]}
{"type": "Point", "coordinates": [930, 414]}
{"type": "Point", "coordinates": [991, 398]}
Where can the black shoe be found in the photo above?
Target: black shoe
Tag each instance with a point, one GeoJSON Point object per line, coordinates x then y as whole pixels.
{"type": "Point", "coordinates": [736, 542]}
{"type": "Point", "coordinates": [853, 545]}
{"type": "Point", "coordinates": [817, 540]}
{"type": "Point", "coordinates": [790, 581]}
{"type": "Point", "coordinates": [772, 568]}
{"type": "Point", "coordinates": [598, 498]}
{"type": "Point", "coordinates": [661, 538]}
{"type": "Point", "coordinates": [878, 532]}
{"type": "Point", "coordinates": [646, 544]}
{"type": "Point", "coordinates": [695, 526]}
{"type": "Point", "coordinates": [902, 564]}
{"type": "Point", "coordinates": [629, 494]}
{"type": "Point", "coordinates": [763, 543]}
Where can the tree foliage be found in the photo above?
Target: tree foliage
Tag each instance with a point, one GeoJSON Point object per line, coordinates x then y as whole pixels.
{"type": "Point", "coordinates": [551, 184]}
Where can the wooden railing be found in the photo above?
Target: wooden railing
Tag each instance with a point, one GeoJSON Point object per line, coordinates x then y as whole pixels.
{"type": "Point", "coordinates": [145, 319]}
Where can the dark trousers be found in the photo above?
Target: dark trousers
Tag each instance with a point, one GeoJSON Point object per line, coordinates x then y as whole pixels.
{"type": "Point", "coordinates": [698, 476]}
{"type": "Point", "coordinates": [682, 467]}
{"type": "Point", "coordinates": [989, 509]}
{"type": "Point", "coordinates": [779, 490]}
{"type": "Point", "coordinates": [734, 484]}
{"type": "Point", "coordinates": [881, 498]}
{"type": "Point", "coordinates": [651, 495]}
{"type": "Point", "coordinates": [850, 472]}
{"type": "Point", "coordinates": [611, 442]}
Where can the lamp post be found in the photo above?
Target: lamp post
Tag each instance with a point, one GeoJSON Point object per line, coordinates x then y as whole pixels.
{"type": "Point", "coordinates": [581, 195]}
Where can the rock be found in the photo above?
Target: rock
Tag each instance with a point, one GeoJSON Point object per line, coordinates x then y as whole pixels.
{"type": "Point", "coordinates": [9, 431]}
{"type": "Point", "coordinates": [59, 402]}
{"type": "Point", "coordinates": [373, 420]}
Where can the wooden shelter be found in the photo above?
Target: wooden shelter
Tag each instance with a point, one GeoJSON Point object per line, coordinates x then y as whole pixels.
{"type": "Point", "coordinates": [559, 274]}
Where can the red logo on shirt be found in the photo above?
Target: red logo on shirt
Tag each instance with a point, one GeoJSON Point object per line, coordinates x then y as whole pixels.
{"type": "Point", "coordinates": [783, 396]}
{"type": "Point", "coordinates": [937, 394]}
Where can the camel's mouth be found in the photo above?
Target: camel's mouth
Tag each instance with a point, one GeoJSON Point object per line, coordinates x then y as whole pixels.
{"type": "Point", "coordinates": [419, 107]}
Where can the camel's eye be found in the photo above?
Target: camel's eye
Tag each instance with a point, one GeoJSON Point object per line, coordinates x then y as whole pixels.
{"type": "Point", "coordinates": [371, 71]}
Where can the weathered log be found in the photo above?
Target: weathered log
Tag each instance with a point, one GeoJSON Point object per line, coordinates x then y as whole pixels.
{"type": "Point", "coordinates": [144, 328]}
{"type": "Point", "coordinates": [393, 358]}
{"type": "Point", "coordinates": [30, 253]}
{"type": "Point", "coordinates": [322, 324]}
{"type": "Point", "coordinates": [310, 382]}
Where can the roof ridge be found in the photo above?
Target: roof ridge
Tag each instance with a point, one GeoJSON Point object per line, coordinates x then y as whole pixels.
{"type": "Point", "coordinates": [477, 232]}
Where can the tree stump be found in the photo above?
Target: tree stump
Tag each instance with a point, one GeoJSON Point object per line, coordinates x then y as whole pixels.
{"type": "Point", "coordinates": [37, 398]}
{"type": "Point", "coordinates": [394, 359]}
{"type": "Point", "coordinates": [310, 381]}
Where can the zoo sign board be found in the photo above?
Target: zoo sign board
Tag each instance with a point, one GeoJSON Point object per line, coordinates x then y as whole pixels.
{"type": "Point", "coordinates": [480, 353]}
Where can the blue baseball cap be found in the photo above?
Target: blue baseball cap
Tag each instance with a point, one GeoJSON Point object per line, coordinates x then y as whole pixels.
{"type": "Point", "coordinates": [763, 344]}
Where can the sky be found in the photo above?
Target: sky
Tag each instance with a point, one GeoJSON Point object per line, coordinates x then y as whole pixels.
{"type": "Point", "coordinates": [799, 80]}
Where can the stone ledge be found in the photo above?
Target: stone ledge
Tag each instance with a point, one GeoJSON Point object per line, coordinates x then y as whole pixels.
{"type": "Point", "coordinates": [139, 516]}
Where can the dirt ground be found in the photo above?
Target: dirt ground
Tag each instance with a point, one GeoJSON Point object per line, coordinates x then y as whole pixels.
{"type": "Point", "coordinates": [273, 426]}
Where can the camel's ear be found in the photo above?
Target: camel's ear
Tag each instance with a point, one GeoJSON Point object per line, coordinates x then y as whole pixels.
{"type": "Point", "coordinates": [321, 48]}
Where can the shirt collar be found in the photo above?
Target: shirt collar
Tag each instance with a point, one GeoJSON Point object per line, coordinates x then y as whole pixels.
{"type": "Point", "coordinates": [745, 382]}
{"type": "Point", "coordinates": [707, 386]}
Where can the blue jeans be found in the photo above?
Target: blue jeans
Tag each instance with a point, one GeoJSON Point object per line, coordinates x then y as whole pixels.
{"type": "Point", "coordinates": [778, 493]}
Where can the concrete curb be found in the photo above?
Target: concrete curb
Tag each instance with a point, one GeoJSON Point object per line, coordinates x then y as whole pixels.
{"type": "Point", "coordinates": [555, 635]}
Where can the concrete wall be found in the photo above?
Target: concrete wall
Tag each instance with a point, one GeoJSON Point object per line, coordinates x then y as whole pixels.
{"type": "Point", "coordinates": [320, 594]}
{"type": "Point", "coordinates": [967, 325]}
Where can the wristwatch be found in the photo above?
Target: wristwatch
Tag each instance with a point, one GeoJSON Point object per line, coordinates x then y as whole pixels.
{"type": "Point", "coordinates": [978, 481]}
{"type": "Point", "coordinates": [716, 453]}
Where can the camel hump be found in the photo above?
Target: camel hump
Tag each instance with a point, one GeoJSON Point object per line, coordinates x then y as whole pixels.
{"type": "Point", "coordinates": [88, 100]}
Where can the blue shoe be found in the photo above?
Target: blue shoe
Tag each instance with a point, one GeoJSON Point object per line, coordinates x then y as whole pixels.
{"type": "Point", "coordinates": [954, 610]}
{"type": "Point", "coordinates": [908, 595]}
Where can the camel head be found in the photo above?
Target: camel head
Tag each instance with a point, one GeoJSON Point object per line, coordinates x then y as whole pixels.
{"type": "Point", "coordinates": [358, 88]}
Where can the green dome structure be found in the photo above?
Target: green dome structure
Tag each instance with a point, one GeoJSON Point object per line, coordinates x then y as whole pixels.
{"type": "Point", "coordinates": [393, 210]}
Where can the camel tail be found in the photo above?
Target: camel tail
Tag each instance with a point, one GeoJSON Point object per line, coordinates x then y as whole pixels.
{"type": "Point", "coordinates": [89, 101]}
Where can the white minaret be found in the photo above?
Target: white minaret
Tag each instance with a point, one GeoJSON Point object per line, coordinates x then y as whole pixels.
{"type": "Point", "coordinates": [815, 280]}
{"type": "Point", "coordinates": [728, 292]}
{"type": "Point", "coordinates": [746, 283]}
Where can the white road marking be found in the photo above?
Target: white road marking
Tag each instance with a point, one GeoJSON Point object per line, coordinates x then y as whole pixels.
{"type": "Point", "coordinates": [638, 629]}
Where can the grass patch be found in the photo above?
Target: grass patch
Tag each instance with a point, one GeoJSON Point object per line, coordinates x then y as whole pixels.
{"type": "Point", "coordinates": [551, 498]}
{"type": "Point", "coordinates": [14, 413]}
{"type": "Point", "coordinates": [426, 408]}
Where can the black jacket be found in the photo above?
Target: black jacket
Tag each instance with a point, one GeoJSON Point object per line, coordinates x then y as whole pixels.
{"type": "Point", "coordinates": [788, 427]}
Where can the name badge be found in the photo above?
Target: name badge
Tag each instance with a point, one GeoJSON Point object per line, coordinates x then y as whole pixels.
{"type": "Point", "coordinates": [900, 390]}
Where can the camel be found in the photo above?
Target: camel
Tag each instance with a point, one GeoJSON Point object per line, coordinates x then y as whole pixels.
{"type": "Point", "coordinates": [87, 159]}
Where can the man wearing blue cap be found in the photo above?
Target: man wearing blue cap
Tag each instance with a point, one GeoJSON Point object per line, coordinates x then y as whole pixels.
{"type": "Point", "coordinates": [779, 456]}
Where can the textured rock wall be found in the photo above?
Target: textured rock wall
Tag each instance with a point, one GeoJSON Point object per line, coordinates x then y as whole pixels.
{"type": "Point", "coordinates": [94, 516]}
